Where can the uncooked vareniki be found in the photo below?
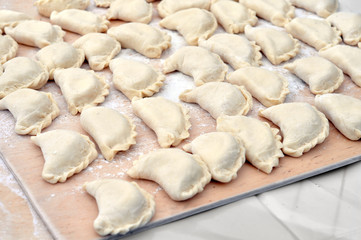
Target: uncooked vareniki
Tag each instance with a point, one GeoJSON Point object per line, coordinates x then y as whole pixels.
{"type": "Point", "coordinates": [33, 110]}
{"type": "Point", "coordinates": [200, 63]}
{"type": "Point", "coordinates": [31, 74]}
{"type": "Point", "coordinates": [169, 120]}
{"type": "Point", "coordinates": [343, 111]}
{"type": "Point", "coordinates": [103, 3]}
{"type": "Point", "coordinates": [321, 75]}
{"type": "Point", "coordinates": [192, 24]}
{"type": "Point", "coordinates": [135, 79]}
{"type": "Point", "coordinates": [168, 7]}
{"type": "Point", "coordinates": [302, 126]}
{"type": "Point", "coordinates": [222, 152]}
{"type": "Point", "coordinates": [233, 49]}
{"type": "Point", "coordinates": [81, 88]}
{"type": "Point", "coordinates": [262, 143]}
{"type": "Point", "coordinates": [220, 98]}
{"type": "Point", "coordinates": [322, 8]}
{"type": "Point", "coordinates": [45, 7]}
{"type": "Point", "coordinates": [349, 24]}
{"type": "Point", "coordinates": [8, 48]}
{"type": "Point", "coordinates": [268, 87]}
{"type": "Point", "coordinates": [123, 206]}
{"type": "Point", "coordinates": [111, 130]}
{"type": "Point", "coordinates": [10, 18]}
{"type": "Point", "coordinates": [65, 152]}
{"type": "Point", "coordinates": [145, 39]}
{"type": "Point", "coordinates": [180, 174]}
{"type": "Point", "coordinates": [131, 11]}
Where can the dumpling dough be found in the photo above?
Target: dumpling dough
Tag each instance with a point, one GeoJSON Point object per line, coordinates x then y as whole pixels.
{"type": "Point", "coordinates": [36, 33]}
{"type": "Point", "coordinates": [81, 88]}
{"type": "Point", "coordinates": [168, 7]}
{"type": "Point", "coordinates": [322, 8]}
{"type": "Point", "coordinates": [219, 98]}
{"type": "Point", "coordinates": [180, 174]}
{"type": "Point", "coordinates": [320, 74]}
{"type": "Point", "coordinates": [135, 79]}
{"type": "Point", "coordinates": [45, 7]}
{"type": "Point", "coordinates": [223, 154]}
{"type": "Point", "coordinates": [278, 12]}
{"type": "Point", "coordinates": [233, 16]}
{"type": "Point", "coordinates": [200, 24]}
{"type": "Point", "coordinates": [99, 49]}
{"type": "Point", "coordinates": [111, 130]}
{"type": "Point", "coordinates": [131, 11]}
{"type": "Point", "coordinates": [262, 143]}
{"type": "Point", "coordinates": [123, 206]}
{"type": "Point", "coordinates": [33, 110]}
{"type": "Point", "coordinates": [343, 111]}
{"type": "Point", "coordinates": [347, 58]}
{"type": "Point", "coordinates": [200, 63]}
{"type": "Point", "coordinates": [79, 21]}
{"type": "Point", "coordinates": [8, 48]}
{"type": "Point", "coordinates": [10, 18]}
{"type": "Point", "coordinates": [317, 33]}
{"type": "Point", "coordinates": [278, 46]}
{"type": "Point", "coordinates": [349, 24]}
{"type": "Point", "coordinates": [266, 86]}
{"type": "Point", "coordinates": [233, 49]}
{"type": "Point", "coordinates": [60, 55]}
{"type": "Point", "coordinates": [103, 3]}
{"type": "Point", "coordinates": [22, 72]}
{"type": "Point", "coordinates": [145, 39]}
{"type": "Point", "coordinates": [169, 120]}
{"type": "Point", "coordinates": [65, 152]}
{"type": "Point", "coordinates": [302, 126]}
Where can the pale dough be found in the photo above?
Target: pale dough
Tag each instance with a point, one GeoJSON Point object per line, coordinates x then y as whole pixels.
{"type": "Point", "coordinates": [168, 7]}
{"type": "Point", "coordinates": [33, 110]}
{"type": "Point", "coordinates": [180, 174]}
{"type": "Point", "coordinates": [65, 152]}
{"type": "Point", "coordinates": [145, 39]}
{"type": "Point", "coordinates": [135, 79]}
{"type": "Point", "coordinates": [103, 3]}
{"type": "Point", "coordinates": [8, 48]}
{"type": "Point", "coordinates": [222, 152]}
{"type": "Point", "coordinates": [131, 11]}
{"type": "Point", "coordinates": [322, 8]}
{"type": "Point", "coordinates": [349, 24]}
{"type": "Point", "coordinates": [123, 206]}
{"type": "Point", "coordinates": [200, 63]}
{"type": "Point", "coordinates": [10, 18]}
{"type": "Point", "coordinates": [46, 7]}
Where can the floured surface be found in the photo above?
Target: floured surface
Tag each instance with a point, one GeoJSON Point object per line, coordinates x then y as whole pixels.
{"type": "Point", "coordinates": [69, 212]}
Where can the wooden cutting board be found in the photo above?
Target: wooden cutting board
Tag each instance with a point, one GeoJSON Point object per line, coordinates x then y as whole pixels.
{"type": "Point", "coordinates": [68, 211]}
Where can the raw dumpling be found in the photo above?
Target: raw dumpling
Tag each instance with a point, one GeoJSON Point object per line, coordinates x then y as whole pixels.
{"type": "Point", "coordinates": [79, 21]}
{"type": "Point", "coordinates": [322, 8]}
{"type": "Point", "coordinates": [99, 49]}
{"type": "Point", "coordinates": [145, 39]}
{"type": "Point", "coordinates": [36, 33]}
{"type": "Point", "coordinates": [233, 16]}
{"type": "Point", "coordinates": [33, 110]}
{"type": "Point", "coordinates": [347, 58]}
{"type": "Point", "coordinates": [22, 72]}
{"type": "Point", "coordinates": [192, 24]}
{"type": "Point", "coordinates": [81, 88]}
{"type": "Point", "coordinates": [131, 11]}
{"type": "Point", "coordinates": [219, 98]}
{"type": "Point", "coordinates": [223, 154]}
{"type": "Point", "coordinates": [60, 55]}
{"type": "Point", "coordinates": [278, 46]}
{"type": "Point", "coordinates": [320, 74]}
{"type": "Point", "coordinates": [135, 79]}
{"type": "Point", "coordinates": [262, 143]}
{"type": "Point", "coordinates": [65, 152]}
{"type": "Point", "coordinates": [343, 111]}
{"type": "Point", "coordinates": [168, 7]}
{"type": "Point", "coordinates": [233, 49]}
{"type": "Point", "coordinates": [45, 7]}
{"type": "Point", "coordinates": [349, 24]}
{"type": "Point", "coordinates": [317, 33]}
{"type": "Point", "coordinates": [9, 18]}
{"type": "Point", "coordinates": [278, 12]}
{"type": "Point", "coordinates": [180, 174]}
{"type": "Point", "coordinates": [169, 120]}
{"type": "Point", "coordinates": [8, 48]}
{"type": "Point", "coordinates": [123, 206]}
{"type": "Point", "coordinates": [302, 126]}
{"type": "Point", "coordinates": [103, 3]}
{"type": "Point", "coordinates": [111, 130]}
{"type": "Point", "coordinates": [200, 63]}
{"type": "Point", "coordinates": [267, 86]}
